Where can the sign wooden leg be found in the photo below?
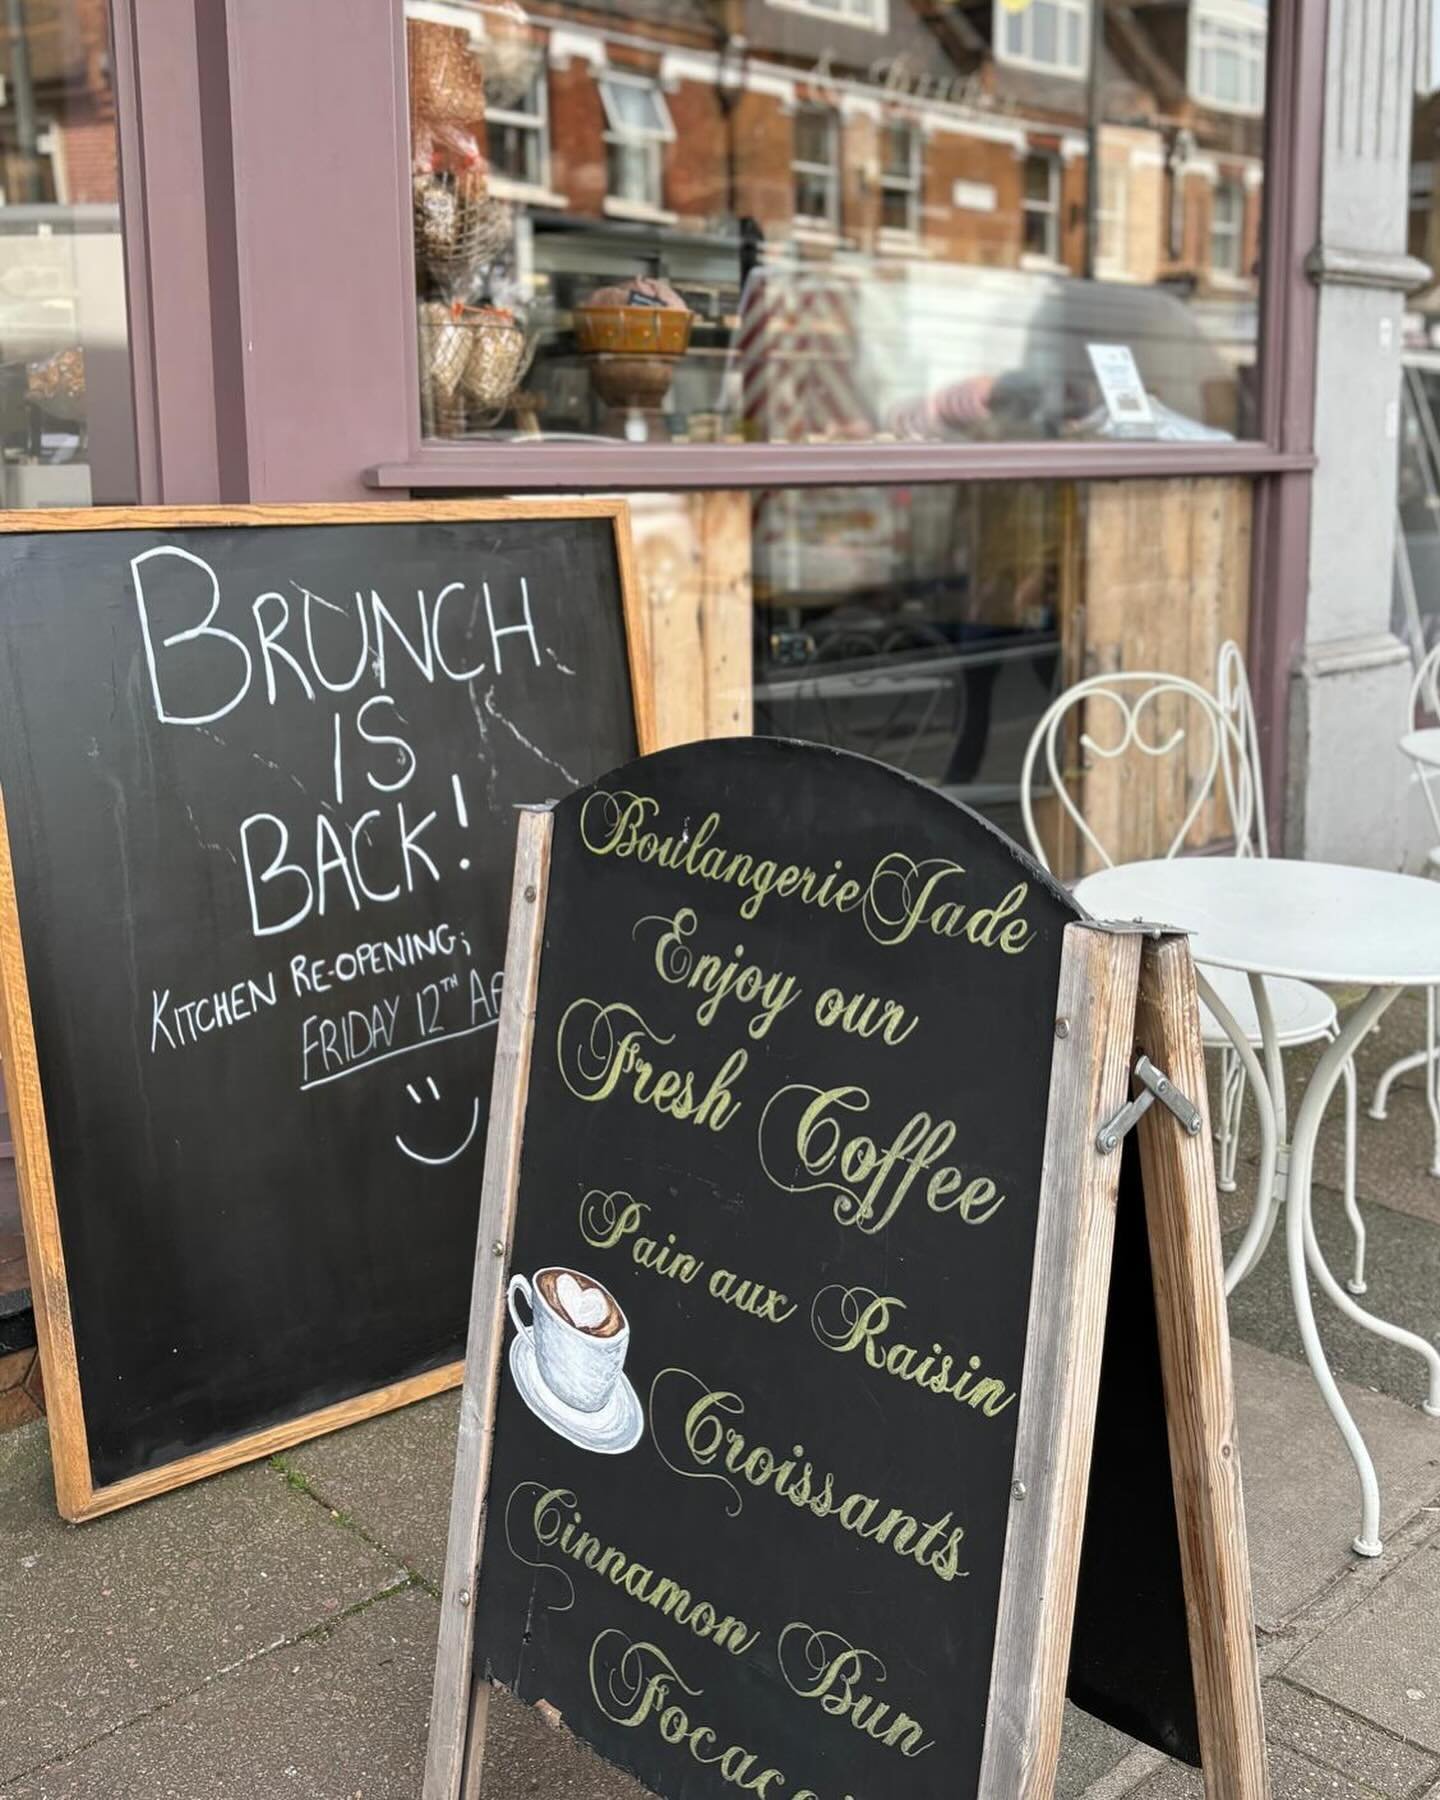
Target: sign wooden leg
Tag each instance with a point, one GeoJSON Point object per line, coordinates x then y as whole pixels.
{"type": "Point", "coordinates": [1089, 1079]}
{"type": "Point", "coordinates": [452, 1706]}
{"type": "Point", "coordinates": [1184, 1229]}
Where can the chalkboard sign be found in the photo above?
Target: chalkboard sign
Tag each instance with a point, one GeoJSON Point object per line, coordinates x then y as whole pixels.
{"type": "Point", "coordinates": [259, 773]}
{"type": "Point", "coordinates": [805, 1255]}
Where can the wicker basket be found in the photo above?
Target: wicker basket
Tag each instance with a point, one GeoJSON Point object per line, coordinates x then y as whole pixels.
{"type": "Point", "coordinates": [459, 229]}
{"type": "Point", "coordinates": [498, 359]}
{"type": "Point", "coordinates": [633, 330]}
{"type": "Point", "coordinates": [447, 80]}
{"type": "Point", "coordinates": [472, 361]}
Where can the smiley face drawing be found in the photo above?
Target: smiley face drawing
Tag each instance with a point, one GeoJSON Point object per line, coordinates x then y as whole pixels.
{"type": "Point", "coordinates": [438, 1162]}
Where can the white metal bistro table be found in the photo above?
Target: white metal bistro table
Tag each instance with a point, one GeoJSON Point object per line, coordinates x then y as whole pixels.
{"type": "Point", "coordinates": [1318, 922]}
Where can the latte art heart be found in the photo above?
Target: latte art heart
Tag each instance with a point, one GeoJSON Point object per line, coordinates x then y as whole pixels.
{"type": "Point", "coordinates": [581, 1305]}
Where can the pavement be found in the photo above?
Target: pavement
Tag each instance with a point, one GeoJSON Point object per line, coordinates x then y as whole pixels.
{"type": "Point", "coordinates": [269, 1634]}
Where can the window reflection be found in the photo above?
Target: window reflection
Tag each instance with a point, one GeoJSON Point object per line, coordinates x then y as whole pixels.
{"type": "Point", "coordinates": [919, 626]}
{"type": "Point", "coordinates": [66, 431]}
{"type": "Point", "coordinates": [867, 207]}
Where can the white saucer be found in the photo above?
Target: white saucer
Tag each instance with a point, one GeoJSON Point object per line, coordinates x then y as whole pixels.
{"type": "Point", "coordinates": [617, 1427]}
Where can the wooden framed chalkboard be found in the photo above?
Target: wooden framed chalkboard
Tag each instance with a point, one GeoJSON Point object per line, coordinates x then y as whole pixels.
{"type": "Point", "coordinates": [790, 1305]}
{"type": "Point", "coordinates": [259, 770]}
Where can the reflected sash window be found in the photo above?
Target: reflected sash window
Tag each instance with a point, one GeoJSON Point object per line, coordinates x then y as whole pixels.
{"type": "Point", "coordinates": [873, 15]}
{"type": "Point", "coordinates": [900, 179]}
{"type": "Point", "coordinates": [1042, 206]}
{"type": "Point", "coordinates": [1113, 217]}
{"type": "Point", "coordinates": [1227, 228]}
{"type": "Point", "coordinates": [1053, 35]}
{"type": "Point", "coordinates": [517, 138]}
{"type": "Point", "coordinates": [639, 127]}
{"type": "Point", "coordinates": [816, 168]}
{"type": "Point", "coordinates": [1227, 55]}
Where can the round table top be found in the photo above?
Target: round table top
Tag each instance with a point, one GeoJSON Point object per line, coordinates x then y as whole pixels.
{"type": "Point", "coordinates": [1313, 921]}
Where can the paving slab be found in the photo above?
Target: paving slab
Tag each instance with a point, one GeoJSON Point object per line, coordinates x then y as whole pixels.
{"type": "Point", "coordinates": [103, 1622]}
{"type": "Point", "coordinates": [526, 1758]}
{"type": "Point", "coordinates": [1292, 1777]}
{"type": "Point", "coordinates": [1393, 1155]}
{"type": "Point", "coordinates": [1302, 1499]}
{"type": "Point", "coordinates": [1404, 1260]}
{"type": "Point", "coordinates": [1383, 1659]}
{"type": "Point", "coordinates": [1338, 1740]}
{"type": "Point", "coordinates": [1088, 1751]}
{"type": "Point", "coordinates": [392, 1476]}
{"type": "Point", "coordinates": [340, 1716]}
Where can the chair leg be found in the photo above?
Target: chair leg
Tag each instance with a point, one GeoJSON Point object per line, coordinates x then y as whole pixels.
{"type": "Point", "coordinates": [1227, 1135]}
{"type": "Point", "coordinates": [1356, 1283]}
{"type": "Point", "coordinates": [1432, 1078]}
{"type": "Point", "coordinates": [1417, 1059]}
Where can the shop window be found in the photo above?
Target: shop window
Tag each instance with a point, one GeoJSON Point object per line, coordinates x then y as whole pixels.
{"type": "Point", "coordinates": [1227, 229]}
{"type": "Point", "coordinates": [790, 246]}
{"type": "Point", "coordinates": [816, 168]}
{"type": "Point", "coordinates": [1042, 207]}
{"type": "Point", "coordinates": [1047, 34]}
{"type": "Point", "coordinates": [639, 128]}
{"type": "Point", "coordinates": [931, 626]}
{"type": "Point", "coordinates": [67, 435]}
{"type": "Point", "coordinates": [1227, 54]}
{"type": "Point", "coordinates": [517, 142]}
{"type": "Point", "coordinates": [900, 179]}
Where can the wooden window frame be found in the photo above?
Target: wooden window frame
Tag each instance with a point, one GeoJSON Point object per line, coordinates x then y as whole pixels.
{"type": "Point", "coordinates": [245, 392]}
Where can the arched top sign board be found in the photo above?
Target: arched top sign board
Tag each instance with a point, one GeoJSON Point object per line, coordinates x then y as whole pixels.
{"type": "Point", "coordinates": [791, 1291]}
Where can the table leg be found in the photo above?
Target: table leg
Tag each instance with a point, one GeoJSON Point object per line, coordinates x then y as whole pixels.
{"type": "Point", "coordinates": [1299, 1236]}
{"type": "Point", "coordinates": [1267, 1188]}
{"type": "Point", "coordinates": [1432, 1076]}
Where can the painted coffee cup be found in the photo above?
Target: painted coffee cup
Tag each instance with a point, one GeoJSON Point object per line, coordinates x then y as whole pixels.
{"type": "Point", "coordinates": [578, 1333]}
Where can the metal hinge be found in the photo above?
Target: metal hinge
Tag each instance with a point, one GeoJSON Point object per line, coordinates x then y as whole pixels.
{"type": "Point", "coordinates": [1154, 1085]}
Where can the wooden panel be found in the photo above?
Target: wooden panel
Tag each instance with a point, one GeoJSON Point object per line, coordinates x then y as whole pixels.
{"type": "Point", "coordinates": [1183, 1219]}
{"type": "Point", "coordinates": [1166, 581]}
{"type": "Point", "coordinates": [726, 613]}
{"type": "Point", "coordinates": [693, 567]}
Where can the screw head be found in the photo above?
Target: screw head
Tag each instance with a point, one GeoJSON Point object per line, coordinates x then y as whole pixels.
{"type": "Point", "coordinates": [530, 893]}
{"type": "Point", "coordinates": [1018, 1490]}
{"type": "Point", "coordinates": [497, 1248]}
{"type": "Point", "coordinates": [463, 1596]}
{"type": "Point", "coordinates": [1062, 1028]}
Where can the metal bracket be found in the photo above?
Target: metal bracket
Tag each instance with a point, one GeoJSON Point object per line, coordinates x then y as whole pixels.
{"type": "Point", "coordinates": [1154, 1085]}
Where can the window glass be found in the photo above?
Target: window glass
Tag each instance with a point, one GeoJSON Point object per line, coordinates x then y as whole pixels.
{"type": "Point", "coordinates": [1417, 549]}
{"type": "Point", "coordinates": [66, 425]}
{"type": "Point", "coordinates": [798, 221]}
{"type": "Point", "coordinates": [931, 626]}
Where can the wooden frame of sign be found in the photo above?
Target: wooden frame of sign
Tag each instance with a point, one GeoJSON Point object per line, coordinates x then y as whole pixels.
{"type": "Point", "coordinates": [78, 1496]}
{"type": "Point", "coordinates": [1120, 987]}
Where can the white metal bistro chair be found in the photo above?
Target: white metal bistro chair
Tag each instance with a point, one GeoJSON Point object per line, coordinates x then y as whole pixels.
{"type": "Point", "coordinates": [1214, 745]}
{"type": "Point", "coordinates": [1232, 689]}
{"type": "Point", "coordinates": [1421, 744]}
